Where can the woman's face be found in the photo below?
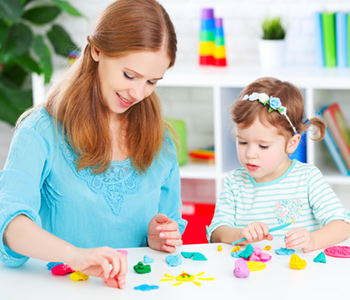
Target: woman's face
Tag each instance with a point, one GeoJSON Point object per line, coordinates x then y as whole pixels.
{"type": "Point", "coordinates": [129, 79]}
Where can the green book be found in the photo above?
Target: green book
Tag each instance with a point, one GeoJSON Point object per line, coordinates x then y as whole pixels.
{"type": "Point", "coordinates": [328, 26]}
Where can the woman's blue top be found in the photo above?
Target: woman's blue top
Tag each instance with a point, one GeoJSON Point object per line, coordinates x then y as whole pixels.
{"type": "Point", "coordinates": [40, 180]}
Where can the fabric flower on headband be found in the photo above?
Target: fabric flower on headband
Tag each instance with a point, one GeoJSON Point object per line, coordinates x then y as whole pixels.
{"type": "Point", "coordinates": [274, 103]}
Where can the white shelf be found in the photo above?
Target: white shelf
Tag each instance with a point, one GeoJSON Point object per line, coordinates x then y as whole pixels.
{"type": "Point", "coordinates": [198, 171]}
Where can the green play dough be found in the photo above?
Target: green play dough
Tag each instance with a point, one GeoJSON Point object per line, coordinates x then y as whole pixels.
{"type": "Point", "coordinates": [141, 268]}
{"type": "Point", "coordinates": [187, 254]}
{"type": "Point", "coordinates": [198, 256]}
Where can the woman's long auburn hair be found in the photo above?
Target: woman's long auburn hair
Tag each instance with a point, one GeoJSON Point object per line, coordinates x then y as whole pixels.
{"type": "Point", "coordinates": [76, 100]}
{"type": "Point", "coordinates": [244, 113]}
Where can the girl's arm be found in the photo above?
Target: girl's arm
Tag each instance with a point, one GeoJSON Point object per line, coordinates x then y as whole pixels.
{"type": "Point", "coordinates": [226, 234]}
{"type": "Point", "coordinates": [254, 232]}
{"type": "Point", "coordinates": [331, 234]}
{"type": "Point", "coordinates": [25, 237]}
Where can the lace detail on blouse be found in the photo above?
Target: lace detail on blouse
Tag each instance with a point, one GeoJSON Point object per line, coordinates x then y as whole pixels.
{"type": "Point", "coordinates": [120, 178]}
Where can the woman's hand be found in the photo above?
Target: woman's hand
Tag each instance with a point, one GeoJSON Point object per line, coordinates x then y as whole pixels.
{"type": "Point", "coordinates": [255, 232]}
{"type": "Point", "coordinates": [101, 262]}
{"type": "Point", "coordinates": [299, 238]}
{"type": "Point", "coordinates": [163, 234]}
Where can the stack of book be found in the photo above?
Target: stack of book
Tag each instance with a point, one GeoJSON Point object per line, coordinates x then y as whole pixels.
{"type": "Point", "coordinates": [332, 39]}
{"type": "Point", "coordinates": [337, 138]}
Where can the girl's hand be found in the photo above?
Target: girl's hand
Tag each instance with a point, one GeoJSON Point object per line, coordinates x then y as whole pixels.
{"type": "Point", "coordinates": [255, 232]}
{"type": "Point", "coordinates": [101, 262]}
{"type": "Point", "coordinates": [299, 238]}
{"type": "Point", "coordinates": [163, 234]}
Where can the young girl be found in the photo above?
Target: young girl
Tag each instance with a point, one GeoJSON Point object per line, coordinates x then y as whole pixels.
{"type": "Point", "coordinates": [269, 123]}
{"type": "Point", "coordinates": [94, 169]}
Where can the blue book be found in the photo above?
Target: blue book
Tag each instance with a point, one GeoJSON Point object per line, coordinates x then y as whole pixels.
{"type": "Point", "coordinates": [319, 47]}
{"type": "Point", "coordinates": [341, 37]}
{"type": "Point", "coordinates": [333, 148]}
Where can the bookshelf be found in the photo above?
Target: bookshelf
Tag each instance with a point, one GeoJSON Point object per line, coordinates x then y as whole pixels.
{"type": "Point", "coordinates": [189, 92]}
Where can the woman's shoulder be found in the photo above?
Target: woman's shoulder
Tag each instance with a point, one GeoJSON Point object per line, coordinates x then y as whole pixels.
{"type": "Point", "coordinates": [39, 120]}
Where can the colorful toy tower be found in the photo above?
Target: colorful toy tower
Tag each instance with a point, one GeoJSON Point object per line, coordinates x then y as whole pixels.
{"type": "Point", "coordinates": [207, 37]}
{"type": "Point", "coordinates": [219, 48]}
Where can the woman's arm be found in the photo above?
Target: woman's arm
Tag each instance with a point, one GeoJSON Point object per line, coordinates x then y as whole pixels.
{"type": "Point", "coordinates": [25, 237]}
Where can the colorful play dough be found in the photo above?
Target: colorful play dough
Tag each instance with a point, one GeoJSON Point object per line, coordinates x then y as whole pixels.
{"type": "Point", "coordinates": [247, 251]}
{"type": "Point", "coordinates": [141, 268]}
{"type": "Point", "coordinates": [123, 252]}
{"type": "Point", "coordinates": [219, 248]}
{"type": "Point", "coordinates": [268, 247]}
{"type": "Point", "coordinates": [320, 258]}
{"type": "Point", "coordinates": [236, 254]}
{"type": "Point", "coordinates": [296, 262]}
{"type": "Point", "coordinates": [235, 249]}
{"type": "Point", "coordinates": [61, 269]}
{"type": "Point", "coordinates": [258, 255]}
{"type": "Point", "coordinates": [50, 265]}
{"type": "Point", "coordinates": [78, 276]}
{"type": "Point", "coordinates": [198, 256]}
{"type": "Point", "coordinates": [338, 251]}
{"type": "Point", "coordinates": [194, 255]}
{"type": "Point", "coordinates": [146, 287]}
{"type": "Point", "coordinates": [173, 260]}
{"type": "Point", "coordinates": [284, 251]}
{"type": "Point", "coordinates": [147, 259]}
{"type": "Point", "coordinates": [241, 269]}
{"type": "Point", "coordinates": [256, 265]}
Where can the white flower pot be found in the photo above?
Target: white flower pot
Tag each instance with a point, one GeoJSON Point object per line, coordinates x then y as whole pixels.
{"type": "Point", "coordinates": [272, 53]}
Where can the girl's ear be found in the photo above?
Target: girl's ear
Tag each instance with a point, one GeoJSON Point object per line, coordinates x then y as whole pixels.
{"type": "Point", "coordinates": [95, 54]}
{"type": "Point", "coordinates": [293, 143]}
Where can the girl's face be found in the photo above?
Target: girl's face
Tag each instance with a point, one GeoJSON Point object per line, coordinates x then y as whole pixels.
{"type": "Point", "coordinates": [262, 152]}
{"type": "Point", "coordinates": [129, 79]}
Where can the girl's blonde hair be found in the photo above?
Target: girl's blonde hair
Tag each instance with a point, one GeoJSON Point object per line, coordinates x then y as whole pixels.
{"type": "Point", "coordinates": [243, 113]}
{"type": "Point", "coordinates": [76, 101]}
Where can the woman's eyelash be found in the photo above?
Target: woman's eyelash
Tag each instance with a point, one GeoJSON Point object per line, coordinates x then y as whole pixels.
{"type": "Point", "coordinates": [126, 75]}
{"type": "Point", "coordinates": [264, 147]}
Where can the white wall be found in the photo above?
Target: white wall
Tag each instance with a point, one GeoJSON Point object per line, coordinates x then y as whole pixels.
{"type": "Point", "coordinates": [241, 24]}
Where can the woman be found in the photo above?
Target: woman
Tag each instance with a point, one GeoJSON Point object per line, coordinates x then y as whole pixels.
{"type": "Point", "coordinates": [95, 168]}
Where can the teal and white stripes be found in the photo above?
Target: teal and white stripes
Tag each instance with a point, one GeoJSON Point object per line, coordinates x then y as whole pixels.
{"type": "Point", "coordinates": [243, 200]}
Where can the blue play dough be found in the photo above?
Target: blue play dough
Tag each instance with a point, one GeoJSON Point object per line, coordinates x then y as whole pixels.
{"type": "Point", "coordinates": [173, 260]}
{"type": "Point", "coordinates": [236, 254]}
{"type": "Point", "coordinates": [146, 287]}
{"type": "Point", "coordinates": [284, 251]}
{"type": "Point", "coordinates": [50, 265]}
{"type": "Point", "coordinates": [320, 258]}
{"type": "Point", "coordinates": [147, 259]}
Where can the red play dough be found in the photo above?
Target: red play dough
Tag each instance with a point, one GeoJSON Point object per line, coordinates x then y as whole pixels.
{"type": "Point", "coordinates": [338, 251]}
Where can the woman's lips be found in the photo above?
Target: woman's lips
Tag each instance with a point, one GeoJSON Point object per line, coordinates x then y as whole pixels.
{"type": "Point", "coordinates": [124, 102]}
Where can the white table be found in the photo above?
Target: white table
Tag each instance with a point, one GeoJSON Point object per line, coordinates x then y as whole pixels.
{"type": "Point", "coordinates": [277, 281]}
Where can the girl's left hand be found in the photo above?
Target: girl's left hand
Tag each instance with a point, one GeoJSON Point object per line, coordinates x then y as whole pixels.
{"type": "Point", "coordinates": [163, 234]}
{"type": "Point", "coordinates": [299, 238]}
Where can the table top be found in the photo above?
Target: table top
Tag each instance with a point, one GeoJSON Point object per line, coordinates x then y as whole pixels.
{"type": "Point", "coordinates": [276, 281]}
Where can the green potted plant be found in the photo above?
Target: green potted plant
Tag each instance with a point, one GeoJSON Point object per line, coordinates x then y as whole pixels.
{"type": "Point", "coordinates": [28, 37]}
{"type": "Point", "coordinates": [272, 43]}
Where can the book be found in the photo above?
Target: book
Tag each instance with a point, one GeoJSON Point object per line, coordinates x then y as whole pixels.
{"type": "Point", "coordinates": [341, 30]}
{"type": "Point", "coordinates": [332, 146]}
{"type": "Point", "coordinates": [339, 129]}
{"type": "Point", "coordinates": [328, 26]}
{"type": "Point", "coordinates": [348, 39]}
{"type": "Point", "coordinates": [319, 48]}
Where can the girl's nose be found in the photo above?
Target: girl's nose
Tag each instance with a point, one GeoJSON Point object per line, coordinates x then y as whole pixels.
{"type": "Point", "coordinates": [251, 153]}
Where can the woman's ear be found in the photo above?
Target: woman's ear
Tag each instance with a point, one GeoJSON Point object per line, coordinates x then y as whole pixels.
{"type": "Point", "coordinates": [293, 143]}
{"type": "Point", "coordinates": [95, 54]}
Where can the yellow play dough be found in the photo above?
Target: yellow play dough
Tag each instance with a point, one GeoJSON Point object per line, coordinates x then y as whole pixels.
{"type": "Point", "coordinates": [256, 265]}
{"type": "Point", "coordinates": [296, 262]}
{"type": "Point", "coordinates": [78, 276]}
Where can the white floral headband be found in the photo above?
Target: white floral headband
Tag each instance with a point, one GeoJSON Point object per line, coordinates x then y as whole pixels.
{"type": "Point", "coordinates": [274, 103]}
